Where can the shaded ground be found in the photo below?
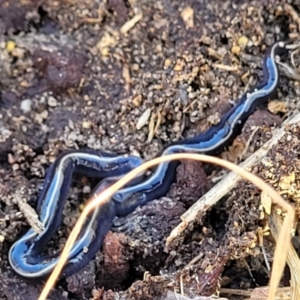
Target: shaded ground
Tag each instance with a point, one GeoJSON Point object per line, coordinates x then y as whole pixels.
{"type": "Point", "coordinates": [72, 76]}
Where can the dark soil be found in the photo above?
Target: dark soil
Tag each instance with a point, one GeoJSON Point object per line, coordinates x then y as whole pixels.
{"type": "Point", "coordinates": [73, 78]}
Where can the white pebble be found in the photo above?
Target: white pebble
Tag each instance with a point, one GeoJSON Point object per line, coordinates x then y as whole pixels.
{"type": "Point", "coordinates": [86, 189]}
{"type": "Point", "coordinates": [52, 102]}
{"type": "Point", "coordinates": [26, 105]}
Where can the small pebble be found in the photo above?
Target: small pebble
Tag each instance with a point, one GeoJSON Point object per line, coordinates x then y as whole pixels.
{"type": "Point", "coordinates": [86, 124]}
{"type": "Point", "coordinates": [235, 50]}
{"type": "Point", "coordinates": [167, 63]}
{"type": "Point", "coordinates": [44, 114]}
{"type": "Point", "coordinates": [26, 105]}
{"type": "Point", "coordinates": [10, 46]}
{"type": "Point", "coordinates": [137, 100]}
{"type": "Point", "coordinates": [15, 167]}
{"type": "Point", "coordinates": [243, 41]}
{"type": "Point", "coordinates": [86, 189]}
{"type": "Point", "coordinates": [81, 207]}
{"type": "Point", "coordinates": [52, 102]}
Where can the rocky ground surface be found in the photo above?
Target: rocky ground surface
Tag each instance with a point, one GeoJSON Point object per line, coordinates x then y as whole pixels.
{"type": "Point", "coordinates": [132, 76]}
